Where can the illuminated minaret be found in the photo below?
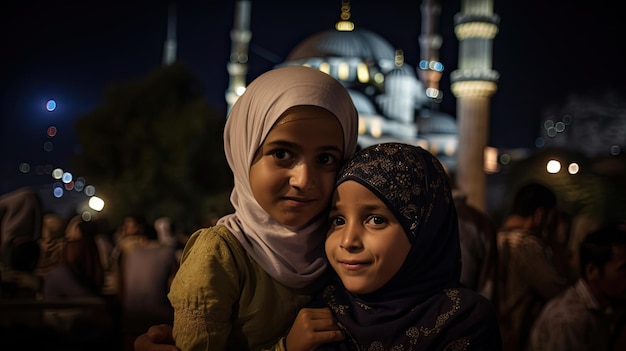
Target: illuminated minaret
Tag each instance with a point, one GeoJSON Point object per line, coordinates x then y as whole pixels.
{"type": "Point", "coordinates": [473, 84]}
{"type": "Point", "coordinates": [238, 65]}
{"type": "Point", "coordinates": [430, 69]}
{"type": "Point", "coordinates": [169, 48]}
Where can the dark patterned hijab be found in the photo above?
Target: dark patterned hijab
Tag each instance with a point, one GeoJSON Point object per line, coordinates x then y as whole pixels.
{"type": "Point", "coordinates": [422, 307]}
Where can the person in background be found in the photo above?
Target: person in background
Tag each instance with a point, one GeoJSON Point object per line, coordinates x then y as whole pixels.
{"type": "Point", "coordinates": [134, 231]}
{"type": "Point", "coordinates": [80, 272]}
{"type": "Point", "coordinates": [558, 245]}
{"type": "Point", "coordinates": [526, 275]}
{"type": "Point", "coordinates": [19, 279]}
{"type": "Point", "coordinates": [585, 316]}
{"type": "Point", "coordinates": [394, 245]}
{"type": "Point", "coordinates": [21, 220]}
{"type": "Point", "coordinates": [51, 242]}
{"type": "Point", "coordinates": [477, 234]}
{"type": "Point", "coordinates": [241, 282]}
{"type": "Point", "coordinates": [147, 272]}
{"type": "Point", "coordinates": [167, 233]}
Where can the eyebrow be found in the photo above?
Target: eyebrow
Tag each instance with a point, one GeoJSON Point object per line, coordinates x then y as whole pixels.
{"type": "Point", "coordinates": [292, 145]}
{"type": "Point", "coordinates": [365, 208]}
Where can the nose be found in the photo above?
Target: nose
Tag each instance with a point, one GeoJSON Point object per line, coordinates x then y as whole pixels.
{"type": "Point", "coordinates": [302, 176]}
{"type": "Point", "coordinates": [351, 238]}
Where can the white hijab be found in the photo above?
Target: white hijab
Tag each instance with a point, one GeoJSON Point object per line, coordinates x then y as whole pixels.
{"type": "Point", "coordinates": [292, 256]}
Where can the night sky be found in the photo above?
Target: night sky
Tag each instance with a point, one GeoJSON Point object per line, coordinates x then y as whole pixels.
{"type": "Point", "coordinates": [71, 51]}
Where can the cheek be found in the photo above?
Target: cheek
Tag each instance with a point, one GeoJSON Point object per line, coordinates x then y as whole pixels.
{"type": "Point", "coordinates": [327, 186]}
{"type": "Point", "coordinates": [396, 254]}
{"type": "Point", "coordinates": [261, 177]}
{"type": "Point", "coordinates": [331, 244]}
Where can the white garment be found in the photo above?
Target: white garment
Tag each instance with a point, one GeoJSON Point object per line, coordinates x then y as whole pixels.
{"type": "Point", "coordinates": [292, 256]}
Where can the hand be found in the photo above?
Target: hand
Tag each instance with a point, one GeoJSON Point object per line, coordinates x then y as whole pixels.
{"type": "Point", "coordinates": [312, 328]}
{"type": "Point", "coordinates": [157, 338]}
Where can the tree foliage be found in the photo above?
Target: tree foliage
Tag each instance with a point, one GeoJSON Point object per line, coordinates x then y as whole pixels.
{"type": "Point", "coordinates": [154, 145]}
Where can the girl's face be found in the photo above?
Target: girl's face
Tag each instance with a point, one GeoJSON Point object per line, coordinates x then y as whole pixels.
{"type": "Point", "coordinates": [293, 172]}
{"type": "Point", "coordinates": [365, 244]}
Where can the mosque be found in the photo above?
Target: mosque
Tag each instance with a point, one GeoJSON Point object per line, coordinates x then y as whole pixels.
{"type": "Point", "coordinates": [393, 103]}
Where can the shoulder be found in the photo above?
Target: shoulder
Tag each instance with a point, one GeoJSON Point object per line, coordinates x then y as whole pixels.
{"type": "Point", "coordinates": [212, 268]}
{"type": "Point", "coordinates": [472, 300]}
{"type": "Point", "coordinates": [518, 239]}
{"type": "Point", "coordinates": [212, 242]}
{"type": "Point", "coordinates": [462, 303]}
{"type": "Point", "coordinates": [472, 319]}
{"type": "Point", "coordinates": [567, 306]}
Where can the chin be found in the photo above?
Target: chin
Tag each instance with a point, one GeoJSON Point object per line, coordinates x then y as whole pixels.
{"type": "Point", "coordinates": [293, 222]}
{"type": "Point", "coordinates": [357, 288]}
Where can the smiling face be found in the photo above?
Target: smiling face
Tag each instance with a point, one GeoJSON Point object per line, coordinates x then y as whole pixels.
{"type": "Point", "coordinates": [365, 245]}
{"type": "Point", "coordinates": [293, 172]}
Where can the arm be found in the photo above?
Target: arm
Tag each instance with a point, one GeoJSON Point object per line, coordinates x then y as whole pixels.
{"type": "Point", "coordinates": [203, 294]}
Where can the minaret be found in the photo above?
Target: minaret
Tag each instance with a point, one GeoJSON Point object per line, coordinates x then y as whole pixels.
{"type": "Point", "coordinates": [238, 65]}
{"type": "Point", "coordinates": [169, 48]}
{"type": "Point", "coordinates": [430, 69]}
{"type": "Point", "coordinates": [473, 84]}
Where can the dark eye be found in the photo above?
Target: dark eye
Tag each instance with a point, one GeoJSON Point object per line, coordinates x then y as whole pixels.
{"type": "Point", "coordinates": [327, 159]}
{"type": "Point", "coordinates": [281, 154]}
{"type": "Point", "coordinates": [377, 220]}
{"type": "Point", "coordinates": [337, 221]}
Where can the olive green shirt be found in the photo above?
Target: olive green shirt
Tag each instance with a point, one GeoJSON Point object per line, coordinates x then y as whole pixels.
{"type": "Point", "coordinates": [223, 300]}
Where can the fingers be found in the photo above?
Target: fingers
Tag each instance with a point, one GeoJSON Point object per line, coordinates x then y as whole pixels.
{"type": "Point", "coordinates": [161, 334]}
{"type": "Point", "coordinates": [316, 313]}
{"type": "Point", "coordinates": [143, 343]}
{"type": "Point", "coordinates": [327, 336]}
{"type": "Point", "coordinates": [311, 328]}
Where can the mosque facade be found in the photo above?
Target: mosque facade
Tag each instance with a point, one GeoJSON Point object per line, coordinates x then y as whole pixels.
{"type": "Point", "coordinates": [396, 101]}
{"type": "Point", "coordinates": [392, 102]}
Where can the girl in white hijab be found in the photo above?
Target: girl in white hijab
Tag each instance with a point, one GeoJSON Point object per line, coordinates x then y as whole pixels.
{"type": "Point", "coordinates": [242, 282]}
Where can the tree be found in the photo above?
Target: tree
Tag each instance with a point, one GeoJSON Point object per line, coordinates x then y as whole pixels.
{"type": "Point", "coordinates": [154, 145]}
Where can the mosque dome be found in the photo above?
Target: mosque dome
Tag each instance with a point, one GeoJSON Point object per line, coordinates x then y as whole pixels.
{"type": "Point", "coordinates": [435, 122]}
{"type": "Point", "coordinates": [362, 103]}
{"type": "Point", "coordinates": [358, 43]}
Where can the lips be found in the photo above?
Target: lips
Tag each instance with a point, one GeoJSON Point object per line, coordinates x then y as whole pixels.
{"type": "Point", "coordinates": [353, 265]}
{"type": "Point", "coordinates": [298, 201]}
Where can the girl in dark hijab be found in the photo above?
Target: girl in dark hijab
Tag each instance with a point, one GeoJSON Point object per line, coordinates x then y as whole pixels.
{"type": "Point", "coordinates": [394, 244]}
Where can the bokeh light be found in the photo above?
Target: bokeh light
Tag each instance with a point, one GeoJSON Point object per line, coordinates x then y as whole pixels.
{"type": "Point", "coordinates": [24, 167]}
{"type": "Point", "coordinates": [52, 131]}
{"type": "Point", "coordinates": [90, 190]}
{"type": "Point", "coordinates": [96, 203]}
{"type": "Point", "coordinates": [51, 105]}
{"type": "Point", "coordinates": [67, 177]}
{"type": "Point", "coordinates": [553, 166]}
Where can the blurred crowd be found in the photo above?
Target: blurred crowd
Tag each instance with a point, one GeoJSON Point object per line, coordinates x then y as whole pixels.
{"type": "Point", "coordinates": [557, 280]}
{"type": "Point", "coordinates": [87, 283]}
